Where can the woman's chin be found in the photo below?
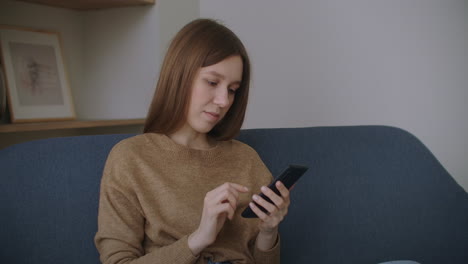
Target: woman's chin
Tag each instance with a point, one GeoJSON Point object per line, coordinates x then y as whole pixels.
{"type": "Point", "coordinates": [204, 129]}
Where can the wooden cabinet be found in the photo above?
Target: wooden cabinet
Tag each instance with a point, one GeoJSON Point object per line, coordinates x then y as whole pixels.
{"type": "Point", "coordinates": [44, 126]}
{"type": "Point", "coordinates": [17, 133]}
{"type": "Point", "coordinates": [11, 134]}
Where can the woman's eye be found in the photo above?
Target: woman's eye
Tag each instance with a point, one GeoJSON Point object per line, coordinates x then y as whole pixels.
{"type": "Point", "coordinates": [211, 83]}
{"type": "Point", "coordinates": [232, 91]}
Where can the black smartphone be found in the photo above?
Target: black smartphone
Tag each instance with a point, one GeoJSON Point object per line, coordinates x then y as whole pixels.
{"type": "Point", "coordinates": [288, 178]}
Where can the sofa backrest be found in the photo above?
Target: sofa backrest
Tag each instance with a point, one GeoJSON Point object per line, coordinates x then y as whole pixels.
{"type": "Point", "coordinates": [371, 194]}
{"type": "Point", "coordinates": [49, 197]}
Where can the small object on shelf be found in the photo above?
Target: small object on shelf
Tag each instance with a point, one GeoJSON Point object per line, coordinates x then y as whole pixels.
{"type": "Point", "coordinates": [35, 75]}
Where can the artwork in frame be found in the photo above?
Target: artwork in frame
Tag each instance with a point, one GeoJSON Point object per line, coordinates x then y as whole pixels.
{"type": "Point", "coordinates": [35, 76]}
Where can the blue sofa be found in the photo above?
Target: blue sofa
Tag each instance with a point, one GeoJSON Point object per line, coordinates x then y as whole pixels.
{"type": "Point", "coordinates": [372, 194]}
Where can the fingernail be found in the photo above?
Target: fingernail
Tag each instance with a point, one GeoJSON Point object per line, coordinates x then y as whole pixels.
{"type": "Point", "coordinates": [245, 188]}
{"type": "Point", "coordinates": [255, 197]}
{"type": "Point", "coordinates": [263, 188]}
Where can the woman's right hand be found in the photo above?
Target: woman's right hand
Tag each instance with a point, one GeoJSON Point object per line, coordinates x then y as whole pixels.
{"type": "Point", "coordinates": [219, 204]}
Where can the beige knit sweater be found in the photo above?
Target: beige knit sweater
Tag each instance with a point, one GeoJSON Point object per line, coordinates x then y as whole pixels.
{"type": "Point", "coordinates": [151, 200]}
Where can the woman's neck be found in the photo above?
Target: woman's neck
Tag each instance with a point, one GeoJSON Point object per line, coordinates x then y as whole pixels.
{"type": "Point", "coordinates": [193, 140]}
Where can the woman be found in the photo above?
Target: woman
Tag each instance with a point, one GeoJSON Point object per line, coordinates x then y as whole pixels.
{"type": "Point", "coordinates": [175, 193]}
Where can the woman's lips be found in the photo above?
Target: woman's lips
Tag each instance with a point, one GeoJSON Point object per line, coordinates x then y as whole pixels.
{"type": "Point", "coordinates": [212, 116]}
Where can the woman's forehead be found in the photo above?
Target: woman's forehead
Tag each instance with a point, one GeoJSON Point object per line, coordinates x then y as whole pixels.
{"type": "Point", "coordinates": [228, 69]}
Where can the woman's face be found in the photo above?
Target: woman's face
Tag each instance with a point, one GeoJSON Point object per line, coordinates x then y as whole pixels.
{"type": "Point", "coordinates": [213, 92]}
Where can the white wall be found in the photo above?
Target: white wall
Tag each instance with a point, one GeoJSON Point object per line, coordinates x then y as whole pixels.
{"type": "Point", "coordinates": [173, 15]}
{"type": "Point", "coordinates": [330, 62]}
{"type": "Point", "coordinates": [124, 48]}
{"type": "Point", "coordinates": [122, 67]}
{"type": "Point", "coordinates": [122, 57]}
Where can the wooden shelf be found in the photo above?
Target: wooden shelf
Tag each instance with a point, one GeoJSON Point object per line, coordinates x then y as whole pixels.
{"type": "Point", "coordinates": [90, 4]}
{"type": "Point", "coordinates": [12, 128]}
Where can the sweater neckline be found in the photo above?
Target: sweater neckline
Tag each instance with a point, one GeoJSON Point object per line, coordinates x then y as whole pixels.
{"type": "Point", "coordinates": [166, 143]}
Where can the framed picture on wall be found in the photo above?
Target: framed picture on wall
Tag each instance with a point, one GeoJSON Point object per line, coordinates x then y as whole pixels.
{"type": "Point", "coordinates": [3, 96]}
{"type": "Point", "coordinates": [37, 84]}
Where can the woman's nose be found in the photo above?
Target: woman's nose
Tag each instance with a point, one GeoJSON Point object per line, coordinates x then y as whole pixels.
{"type": "Point", "coordinates": [221, 97]}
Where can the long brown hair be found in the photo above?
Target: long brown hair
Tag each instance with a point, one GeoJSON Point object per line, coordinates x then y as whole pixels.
{"type": "Point", "coordinates": [201, 43]}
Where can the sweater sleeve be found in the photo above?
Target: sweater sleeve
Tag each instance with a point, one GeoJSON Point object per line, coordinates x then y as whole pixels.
{"type": "Point", "coordinates": [271, 256]}
{"type": "Point", "coordinates": [121, 233]}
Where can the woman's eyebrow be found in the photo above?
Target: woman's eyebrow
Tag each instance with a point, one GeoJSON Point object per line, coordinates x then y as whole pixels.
{"type": "Point", "coordinates": [219, 75]}
{"type": "Point", "coordinates": [215, 73]}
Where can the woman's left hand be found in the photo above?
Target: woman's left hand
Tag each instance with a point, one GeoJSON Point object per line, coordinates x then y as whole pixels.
{"type": "Point", "coordinates": [276, 212]}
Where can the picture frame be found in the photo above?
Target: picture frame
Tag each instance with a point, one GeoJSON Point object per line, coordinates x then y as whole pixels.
{"type": "Point", "coordinates": [3, 96]}
{"type": "Point", "coordinates": [35, 76]}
